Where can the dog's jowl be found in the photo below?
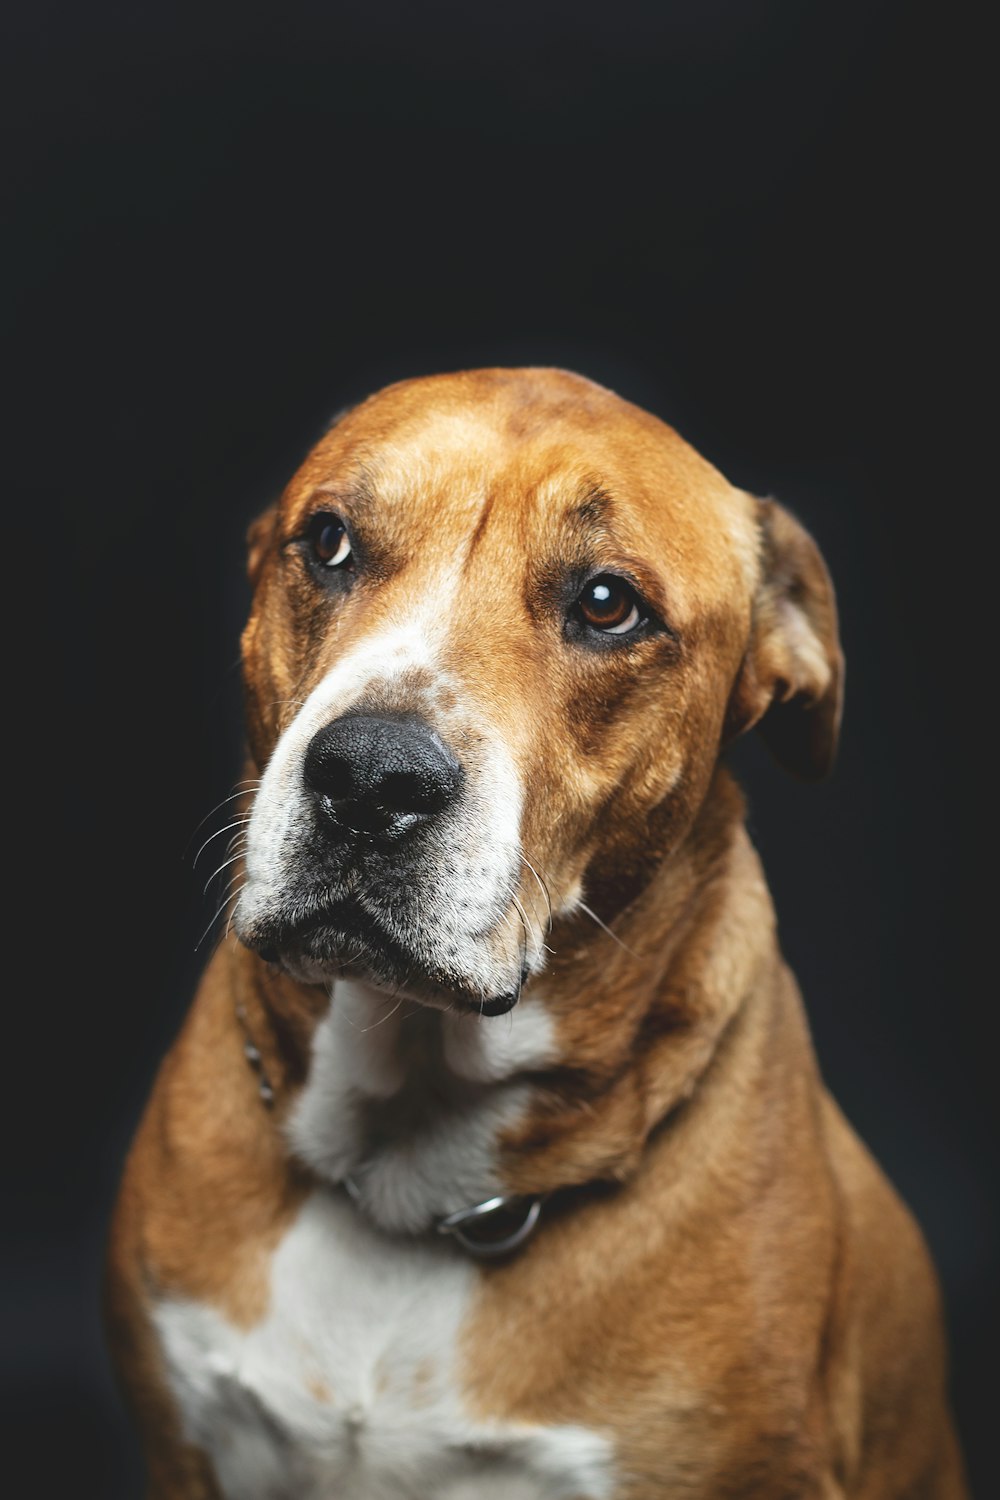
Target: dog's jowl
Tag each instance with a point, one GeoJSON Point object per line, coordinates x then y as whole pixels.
{"type": "Point", "coordinates": [493, 1159]}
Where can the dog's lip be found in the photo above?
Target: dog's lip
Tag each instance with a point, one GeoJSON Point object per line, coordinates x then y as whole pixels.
{"type": "Point", "coordinates": [498, 1006]}
{"type": "Point", "coordinates": [278, 935]}
{"type": "Point", "coordinates": [289, 939]}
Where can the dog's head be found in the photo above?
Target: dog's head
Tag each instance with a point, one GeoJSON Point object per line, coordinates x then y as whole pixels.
{"type": "Point", "coordinates": [503, 623]}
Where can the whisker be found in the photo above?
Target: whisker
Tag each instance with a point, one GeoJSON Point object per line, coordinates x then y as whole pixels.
{"type": "Point", "coordinates": [241, 791]}
{"type": "Point", "coordinates": [607, 929]}
{"type": "Point", "coordinates": [211, 924]}
{"type": "Point", "coordinates": [529, 933]}
{"type": "Point", "coordinates": [234, 898]}
{"type": "Point", "coordinates": [541, 886]}
{"type": "Point", "coordinates": [524, 949]}
{"type": "Point", "coordinates": [240, 822]}
{"type": "Point", "coordinates": [365, 1029]}
{"type": "Point", "coordinates": [506, 920]}
{"type": "Point", "coordinates": [224, 866]}
{"type": "Point", "coordinates": [285, 719]}
{"type": "Point", "coordinates": [232, 882]}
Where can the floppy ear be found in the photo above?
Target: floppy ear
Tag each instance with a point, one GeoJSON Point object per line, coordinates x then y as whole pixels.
{"type": "Point", "coordinates": [791, 681]}
{"type": "Point", "coordinates": [259, 534]}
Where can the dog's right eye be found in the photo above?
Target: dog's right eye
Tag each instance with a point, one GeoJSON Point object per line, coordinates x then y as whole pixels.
{"type": "Point", "coordinates": [329, 540]}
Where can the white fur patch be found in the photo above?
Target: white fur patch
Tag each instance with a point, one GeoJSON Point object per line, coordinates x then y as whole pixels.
{"type": "Point", "coordinates": [278, 805]}
{"type": "Point", "coordinates": [410, 1102]}
{"type": "Point", "coordinates": [454, 913]}
{"type": "Point", "coordinates": [348, 1387]}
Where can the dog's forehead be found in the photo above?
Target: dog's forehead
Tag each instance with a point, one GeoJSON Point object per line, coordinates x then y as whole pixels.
{"type": "Point", "coordinates": [541, 457]}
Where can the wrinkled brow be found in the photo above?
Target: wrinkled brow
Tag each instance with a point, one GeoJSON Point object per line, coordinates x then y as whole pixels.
{"type": "Point", "coordinates": [590, 538]}
{"type": "Point", "coordinates": [590, 515]}
{"type": "Point", "coordinates": [353, 491]}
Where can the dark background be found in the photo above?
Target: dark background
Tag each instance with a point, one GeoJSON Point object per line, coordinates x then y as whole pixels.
{"type": "Point", "coordinates": [749, 217]}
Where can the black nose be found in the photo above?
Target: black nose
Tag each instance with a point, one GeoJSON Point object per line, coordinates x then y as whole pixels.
{"type": "Point", "coordinates": [380, 775]}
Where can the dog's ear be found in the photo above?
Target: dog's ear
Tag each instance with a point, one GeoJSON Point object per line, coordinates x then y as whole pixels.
{"type": "Point", "coordinates": [791, 681]}
{"type": "Point", "coordinates": [259, 534]}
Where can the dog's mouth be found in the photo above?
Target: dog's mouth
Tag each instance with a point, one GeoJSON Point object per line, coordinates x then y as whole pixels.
{"type": "Point", "coordinates": [321, 941]}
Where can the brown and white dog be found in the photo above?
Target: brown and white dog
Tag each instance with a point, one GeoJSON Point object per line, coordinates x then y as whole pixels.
{"type": "Point", "coordinates": [504, 937]}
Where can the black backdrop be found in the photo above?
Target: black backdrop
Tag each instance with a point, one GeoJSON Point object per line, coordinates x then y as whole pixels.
{"type": "Point", "coordinates": [747, 215]}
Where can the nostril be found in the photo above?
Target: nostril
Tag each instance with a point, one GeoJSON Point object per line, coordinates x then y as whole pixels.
{"type": "Point", "coordinates": [380, 773]}
{"type": "Point", "coordinates": [428, 790]}
{"type": "Point", "coordinates": [328, 773]}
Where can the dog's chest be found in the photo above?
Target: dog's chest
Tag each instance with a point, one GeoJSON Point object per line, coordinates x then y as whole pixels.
{"type": "Point", "coordinates": [349, 1388]}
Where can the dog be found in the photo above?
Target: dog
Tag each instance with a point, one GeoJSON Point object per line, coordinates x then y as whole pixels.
{"type": "Point", "coordinates": [493, 1160]}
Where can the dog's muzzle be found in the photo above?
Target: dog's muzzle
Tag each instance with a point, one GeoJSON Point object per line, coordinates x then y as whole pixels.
{"type": "Point", "coordinates": [374, 852]}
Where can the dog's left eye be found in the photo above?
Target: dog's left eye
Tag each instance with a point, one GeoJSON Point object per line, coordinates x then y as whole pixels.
{"type": "Point", "coordinates": [329, 540]}
{"type": "Point", "coordinates": [610, 604]}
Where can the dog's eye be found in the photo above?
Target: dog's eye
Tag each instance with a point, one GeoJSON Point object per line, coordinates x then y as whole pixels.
{"type": "Point", "coordinates": [329, 540]}
{"type": "Point", "coordinates": [610, 605]}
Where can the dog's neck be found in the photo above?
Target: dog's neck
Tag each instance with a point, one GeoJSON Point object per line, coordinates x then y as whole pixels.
{"type": "Point", "coordinates": [428, 1111]}
{"type": "Point", "coordinates": [640, 1017]}
{"type": "Point", "coordinates": [410, 1103]}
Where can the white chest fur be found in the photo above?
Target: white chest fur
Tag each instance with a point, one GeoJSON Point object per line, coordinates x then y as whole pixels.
{"type": "Point", "coordinates": [410, 1103]}
{"type": "Point", "coordinates": [348, 1389]}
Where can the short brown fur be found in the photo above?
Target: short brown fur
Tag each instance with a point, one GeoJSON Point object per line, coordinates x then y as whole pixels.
{"type": "Point", "coordinates": [729, 1287]}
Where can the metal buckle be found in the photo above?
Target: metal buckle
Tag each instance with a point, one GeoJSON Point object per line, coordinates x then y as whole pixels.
{"type": "Point", "coordinates": [486, 1216]}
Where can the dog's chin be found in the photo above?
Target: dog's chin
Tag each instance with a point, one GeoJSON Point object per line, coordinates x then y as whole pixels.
{"type": "Point", "coordinates": [319, 951]}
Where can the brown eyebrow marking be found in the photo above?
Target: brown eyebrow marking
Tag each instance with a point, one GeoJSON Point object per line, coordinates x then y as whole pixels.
{"type": "Point", "coordinates": [477, 535]}
{"type": "Point", "coordinates": [354, 491]}
{"type": "Point", "coordinates": [592, 511]}
{"type": "Point", "coordinates": [590, 519]}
